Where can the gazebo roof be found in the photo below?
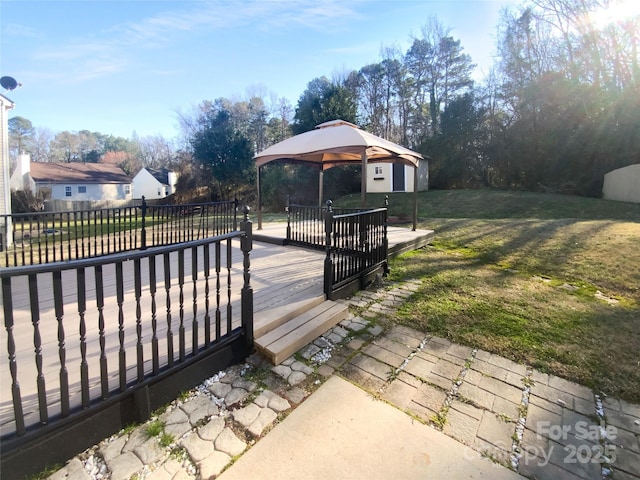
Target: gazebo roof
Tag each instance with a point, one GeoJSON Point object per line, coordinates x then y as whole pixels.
{"type": "Point", "coordinates": [337, 143]}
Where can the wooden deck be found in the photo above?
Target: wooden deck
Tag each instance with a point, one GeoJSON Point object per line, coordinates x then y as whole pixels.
{"type": "Point", "coordinates": [400, 239]}
{"type": "Point", "coordinates": [287, 281]}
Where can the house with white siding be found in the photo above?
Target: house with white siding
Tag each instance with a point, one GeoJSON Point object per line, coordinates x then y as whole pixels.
{"type": "Point", "coordinates": [5, 192]}
{"type": "Point", "coordinates": [153, 183]}
{"type": "Point", "coordinates": [73, 181]}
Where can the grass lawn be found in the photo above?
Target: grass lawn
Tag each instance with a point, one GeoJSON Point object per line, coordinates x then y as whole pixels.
{"type": "Point", "coordinates": [548, 280]}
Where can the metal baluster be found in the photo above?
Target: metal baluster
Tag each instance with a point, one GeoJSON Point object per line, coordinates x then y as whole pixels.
{"type": "Point", "coordinates": [181, 332]}
{"type": "Point", "coordinates": [155, 352]}
{"type": "Point", "coordinates": [6, 250]}
{"type": "Point", "coordinates": [109, 233]}
{"type": "Point", "coordinates": [46, 239]}
{"type": "Point", "coordinates": [218, 288]}
{"type": "Point", "coordinates": [134, 229]}
{"type": "Point", "coordinates": [143, 224]}
{"type": "Point", "coordinates": [167, 288]}
{"type": "Point", "coordinates": [101, 235]}
{"type": "Point", "coordinates": [137, 276]}
{"type": "Point", "coordinates": [68, 236]}
{"type": "Point", "coordinates": [120, 231]}
{"type": "Point", "coordinates": [37, 344]}
{"type": "Point", "coordinates": [288, 210]}
{"type": "Point", "coordinates": [39, 244]}
{"type": "Point", "coordinates": [60, 239]}
{"type": "Point", "coordinates": [246, 245]}
{"type": "Point", "coordinates": [62, 352]}
{"type": "Point", "coordinates": [82, 308]}
{"type": "Point", "coordinates": [7, 300]}
{"type": "Point", "coordinates": [229, 312]}
{"type": "Point", "coordinates": [328, 264]}
{"type": "Point", "coordinates": [75, 232]}
{"type": "Point", "coordinates": [207, 317]}
{"type": "Point", "coordinates": [104, 376]}
{"type": "Point", "coordinates": [22, 231]}
{"type": "Point", "coordinates": [90, 240]}
{"type": "Point", "coordinates": [194, 278]}
{"type": "Point", "coordinates": [122, 354]}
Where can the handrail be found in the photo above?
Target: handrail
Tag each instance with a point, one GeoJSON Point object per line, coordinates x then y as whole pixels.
{"type": "Point", "coordinates": [108, 259]}
{"type": "Point", "coordinates": [114, 338]}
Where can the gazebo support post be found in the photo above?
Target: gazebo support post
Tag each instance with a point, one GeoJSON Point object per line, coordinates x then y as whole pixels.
{"type": "Point", "coordinates": [259, 201]}
{"type": "Point", "coordinates": [320, 186]}
{"type": "Point", "coordinates": [363, 180]}
{"type": "Point", "coordinates": [415, 198]}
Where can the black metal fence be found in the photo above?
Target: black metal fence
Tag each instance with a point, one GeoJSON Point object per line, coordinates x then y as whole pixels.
{"type": "Point", "coordinates": [44, 237]}
{"type": "Point", "coordinates": [96, 344]}
{"type": "Point", "coordinates": [356, 248]}
{"type": "Point", "coordinates": [305, 223]}
{"type": "Point", "coordinates": [355, 241]}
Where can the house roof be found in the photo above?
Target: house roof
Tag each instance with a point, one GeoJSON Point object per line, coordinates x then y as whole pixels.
{"type": "Point", "coordinates": [160, 174]}
{"type": "Point", "coordinates": [6, 102]}
{"type": "Point", "coordinates": [76, 172]}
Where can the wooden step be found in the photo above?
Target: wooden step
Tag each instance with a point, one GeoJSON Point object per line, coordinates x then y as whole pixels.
{"type": "Point", "coordinates": [282, 342]}
{"type": "Point", "coordinates": [265, 321]}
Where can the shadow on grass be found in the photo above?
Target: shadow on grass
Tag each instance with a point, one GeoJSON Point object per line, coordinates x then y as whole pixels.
{"type": "Point", "coordinates": [482, 288]}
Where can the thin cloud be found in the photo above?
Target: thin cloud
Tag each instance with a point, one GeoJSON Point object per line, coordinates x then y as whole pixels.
{"type": "Point", "coordinates": [356, 49]}
{"type": "Point", "coordinates": [19, 30]}
{"type": "Point", "coordinates": [107, 52]}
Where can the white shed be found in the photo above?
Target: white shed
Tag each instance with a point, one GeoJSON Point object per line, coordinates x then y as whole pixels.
{"type": "Point", "coordinates": [395, 177]}
{"type": "Point", "coordinates": [623, 184]}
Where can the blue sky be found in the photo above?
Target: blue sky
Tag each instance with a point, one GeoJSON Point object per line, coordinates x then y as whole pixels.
{"type": "Point", "coordinates": [118, 66]}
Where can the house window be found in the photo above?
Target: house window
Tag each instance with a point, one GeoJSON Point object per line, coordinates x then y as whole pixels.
{"type": "Point", "coordinates": [378, 171]}
{"type": "Point", "coordinates": [127, 189]}
{"type": "Point", "coordinates": [82, 189]}
{"type": "Point", "coordinates": [67, 191]}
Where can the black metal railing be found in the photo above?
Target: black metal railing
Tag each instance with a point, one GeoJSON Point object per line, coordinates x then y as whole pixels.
{"type": "Point", "coordinates": [95, 344]}
{"type": "Point", "coordinates": [305, 223]}
{"type": "Point", "coordinates": [44, 237]}
{"type": "Point", "coordinates": [356, 247]}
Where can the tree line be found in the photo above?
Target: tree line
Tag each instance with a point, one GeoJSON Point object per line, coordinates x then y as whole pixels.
{"type": "Point", "coordinates": [559, 108]}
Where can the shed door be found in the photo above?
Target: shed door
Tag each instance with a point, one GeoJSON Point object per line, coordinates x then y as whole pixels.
{"type": "Point", "coordinates": [398, 177]}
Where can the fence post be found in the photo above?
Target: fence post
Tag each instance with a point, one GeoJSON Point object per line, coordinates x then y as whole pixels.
{"type": "Point", "coordinates": [235, 213]}
{"type": "Point", "coordinates": [288, 218]}
{"type": "Point", "coordinates": [246, 245]}
{"type": "Point", "coordinates": [386, 238]}
{"type": "Point", "coordinates": [328, 261]}
{"type": "Point", "coordinates": [143, 235]}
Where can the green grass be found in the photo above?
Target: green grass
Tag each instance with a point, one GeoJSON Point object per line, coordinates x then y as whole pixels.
{"type": "Point", "coordinates": [516, 273]}
{"type": "Point", "coordinates": [155, 428]}
{"type": "Point", "coordinates": [495, 204]}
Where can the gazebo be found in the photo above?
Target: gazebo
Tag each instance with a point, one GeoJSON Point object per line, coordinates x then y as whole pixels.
{"type": "Point", "coordinates": [336, 143]}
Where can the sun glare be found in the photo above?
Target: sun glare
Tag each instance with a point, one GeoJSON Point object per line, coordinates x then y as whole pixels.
{"type": "Point", "coordinates": [618, 11]}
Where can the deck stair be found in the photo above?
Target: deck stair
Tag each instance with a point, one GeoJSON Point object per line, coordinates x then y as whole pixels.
{"type": "Point", "coordinates": [281, 342]}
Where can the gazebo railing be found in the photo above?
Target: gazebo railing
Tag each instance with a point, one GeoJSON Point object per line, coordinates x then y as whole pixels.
{"type": "Point", "coordinates": [305, 223]}
{"type": "Point", "coordinates": [356, 249]}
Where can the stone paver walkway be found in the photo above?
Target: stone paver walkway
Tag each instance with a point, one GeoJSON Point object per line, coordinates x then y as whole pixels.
{"type": "Point", "coordinates": [539, 425]}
